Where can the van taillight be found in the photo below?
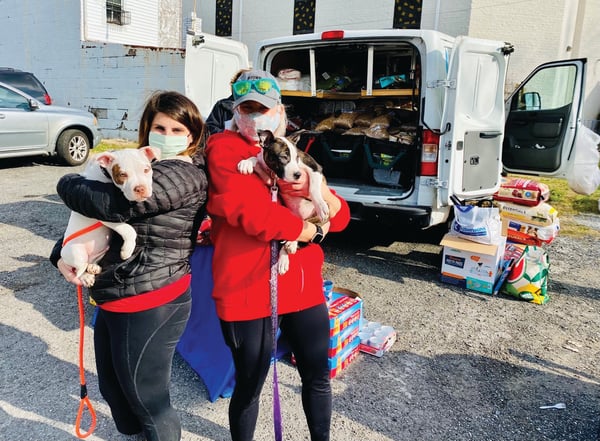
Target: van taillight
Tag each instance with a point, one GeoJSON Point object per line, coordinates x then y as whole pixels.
{"type": "Point", "coordinates": [47, 99]}
{"type": "Point", "coordinates": [332, 35]}
{"type": "Point", "coordinates": [429, 154]}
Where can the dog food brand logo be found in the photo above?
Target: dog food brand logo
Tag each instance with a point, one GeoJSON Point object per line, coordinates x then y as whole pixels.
{"type": "Point", "coordinates": [455, 261]}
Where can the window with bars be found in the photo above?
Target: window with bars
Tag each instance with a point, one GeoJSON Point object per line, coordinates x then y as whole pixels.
{"type": "Point", "coordinates": [115, 13]}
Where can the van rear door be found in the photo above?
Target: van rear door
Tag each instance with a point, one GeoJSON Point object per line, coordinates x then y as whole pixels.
{"type": "Point", "coordinates": [543, 115]}
{"type": "Point", "coordinates": [210, 63]}
{"type": "Point", "coordinates": [473, 119]}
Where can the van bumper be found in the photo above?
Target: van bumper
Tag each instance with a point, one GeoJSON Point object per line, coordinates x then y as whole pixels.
{"type": "Point", "coordinates": [391, 215]}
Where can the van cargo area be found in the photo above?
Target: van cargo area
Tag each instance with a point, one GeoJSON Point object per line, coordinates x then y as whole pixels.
{"type": "Point", "coordinates": [360, 113]}
{"type": "Point", "coordinates": [402, 120]}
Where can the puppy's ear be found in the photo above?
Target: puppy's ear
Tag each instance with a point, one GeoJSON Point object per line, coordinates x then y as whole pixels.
{"type": "Point", "coordinates": [295, 137]}
{"type": "Point", "coordinates": [105, 159]}
{"type": "Point", "coordinates": [152, 153]}
{"type": "Point", "coordinates": [266, 137]}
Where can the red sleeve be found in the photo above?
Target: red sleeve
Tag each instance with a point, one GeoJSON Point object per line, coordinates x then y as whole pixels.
{"type": "Point", "coordinates": [244, 201]}
{"type": "Point", "coordinates": [342, 218]}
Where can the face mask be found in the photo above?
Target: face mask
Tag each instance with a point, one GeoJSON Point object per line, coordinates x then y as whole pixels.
{"type": "Point", "coordinates": [249, 124]}
{"type": "Point", "coordinates": [169, 145]}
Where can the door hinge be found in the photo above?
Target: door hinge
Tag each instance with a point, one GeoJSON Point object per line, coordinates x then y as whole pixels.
{"type": "Point", "coordinates": [450, 84]}
{"type": "Point", "coordinates": [434, 182]}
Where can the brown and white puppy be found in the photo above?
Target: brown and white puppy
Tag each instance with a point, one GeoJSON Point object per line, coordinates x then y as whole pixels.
{"type": "Point", "coordinates": [286, 161]}
{"type": "Point", "coordinates": [86, 240]}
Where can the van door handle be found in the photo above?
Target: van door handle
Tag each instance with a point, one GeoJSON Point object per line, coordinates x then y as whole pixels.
{"type": "Point", "coordinates": [2, 116]}
{"type": "Point", "coordinates": [489, 135]}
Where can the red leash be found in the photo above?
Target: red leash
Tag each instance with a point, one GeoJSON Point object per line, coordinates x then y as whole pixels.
{"type": "Point", "coordinates": [85, 401]}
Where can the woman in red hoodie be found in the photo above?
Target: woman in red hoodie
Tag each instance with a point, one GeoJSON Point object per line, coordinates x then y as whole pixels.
{"type": "Point", "coordinates": [245, 221]}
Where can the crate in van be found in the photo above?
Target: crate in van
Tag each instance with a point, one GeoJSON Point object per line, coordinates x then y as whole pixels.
{"type": "Point", "coordinates": [442, 126]}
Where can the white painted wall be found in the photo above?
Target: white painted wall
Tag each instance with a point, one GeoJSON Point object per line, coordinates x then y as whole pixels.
{"type": "Point", "coordinates": [46, 37]}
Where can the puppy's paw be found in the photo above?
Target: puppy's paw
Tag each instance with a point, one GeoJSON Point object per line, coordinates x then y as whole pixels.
{"type": "Point", "coordinates": [92, 268]}
{"type": "Point", "coordinates": [323, 211]}
{"type": "Point", "coordinates": [291, 246]}
{"type": "Point", "coordinates": [283, 264]}
{"type": "Point", "coordinates": [87, 280]}
{"type": "Point", "coordinates": [246, 166]}
{"type": "Point", "coordinates": [127, 249]}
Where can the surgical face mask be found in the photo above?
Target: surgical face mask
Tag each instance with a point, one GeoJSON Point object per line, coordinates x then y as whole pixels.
{"type": "Point", "coordinates": [249, 124]}
{"type": "Point", "coordinates": [169, 145]}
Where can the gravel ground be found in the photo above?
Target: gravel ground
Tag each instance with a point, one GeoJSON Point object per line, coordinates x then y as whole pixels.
{"type": "Point", "coordinates": [466, 366]}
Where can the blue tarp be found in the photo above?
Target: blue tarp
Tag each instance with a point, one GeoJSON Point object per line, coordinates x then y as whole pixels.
{"type": "Point", "coordinates": [202, 344]}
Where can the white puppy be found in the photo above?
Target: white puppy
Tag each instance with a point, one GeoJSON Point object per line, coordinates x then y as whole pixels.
{"type": "Point", "coordinates": [285, 160]}
{"type": "Point", "coordinates": [86, 240]}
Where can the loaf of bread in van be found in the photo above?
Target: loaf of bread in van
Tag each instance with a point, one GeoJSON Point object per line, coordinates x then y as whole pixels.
{"type": "Point", "coordinates": [326, 124]}
{"type": "Point", "coordinates": [345, 120]}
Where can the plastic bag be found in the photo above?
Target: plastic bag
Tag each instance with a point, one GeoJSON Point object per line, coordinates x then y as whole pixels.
{"type": "Point", "coordinates": [478, 224]}
{"type": "Point", "coordinates": [528, 279]}
{"type": "Point", "coordinates": [584, 175]}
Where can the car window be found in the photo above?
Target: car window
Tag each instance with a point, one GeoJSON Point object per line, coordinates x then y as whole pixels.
{"type": "Point", "coordinates": [25, 82]}
{"type": "Point", "coordinates": [550, 88]}
{"type": "Point", "coordinates": [12, 100]}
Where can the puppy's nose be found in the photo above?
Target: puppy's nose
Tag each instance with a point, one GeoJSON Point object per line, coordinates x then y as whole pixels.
{"type": "Point", "coordinates": [297, 175]}
{"type": "Point", "coordinates": [141, 191]}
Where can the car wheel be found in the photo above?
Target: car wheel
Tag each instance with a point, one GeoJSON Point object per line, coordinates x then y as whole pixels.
{"type": "Point", "coordinates": [73, 147]}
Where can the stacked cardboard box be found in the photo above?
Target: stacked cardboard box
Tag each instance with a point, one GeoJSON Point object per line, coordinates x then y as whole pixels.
{"type": "Point", "coordinates": [345, 314]}
{"type": "Point", "coordinates": [471, 264]}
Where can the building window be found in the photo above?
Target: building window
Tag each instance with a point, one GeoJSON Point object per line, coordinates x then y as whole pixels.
{"type": "Point", "coordinates": [115, 13]}
{"type": "Point", "coordinates": [304, 16]}
{"type": "Point", "coordinates": [223, 18]}
{"type": "Point", "coordinates": [407, 14]}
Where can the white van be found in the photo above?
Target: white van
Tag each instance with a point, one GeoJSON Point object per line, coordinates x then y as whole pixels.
{"type": "Point", "coordinates": [401, 120]}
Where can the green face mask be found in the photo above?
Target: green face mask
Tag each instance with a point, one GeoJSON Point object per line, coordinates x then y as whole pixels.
{"type": "Point", "coordinates": [169, 145]}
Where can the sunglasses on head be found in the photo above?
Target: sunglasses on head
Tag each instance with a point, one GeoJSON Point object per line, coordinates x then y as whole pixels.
{"type": "Point", "coordinates": [261, 85]}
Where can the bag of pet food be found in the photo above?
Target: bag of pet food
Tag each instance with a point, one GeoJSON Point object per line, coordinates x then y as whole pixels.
{"type": "Point", "coordinates": [528, 279]}
{"type": "Point", "coordinates": [478, 224]}
{"type": "Point", "coordinates": [530, 234]}
{"type": "Point", "coordinates": [522, 191]}
{"type": "Point", "coordinates": [542, 214]}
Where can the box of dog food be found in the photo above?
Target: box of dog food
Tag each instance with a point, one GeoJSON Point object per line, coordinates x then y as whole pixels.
{"type": "Point", "coordinates": [339, 341]}
{"type": "Point", "coordinates": [344, 311]}
{"type": "Point", "coordinates": [342, 360]}
{"type": "Point", "coordinates": [471, 264]}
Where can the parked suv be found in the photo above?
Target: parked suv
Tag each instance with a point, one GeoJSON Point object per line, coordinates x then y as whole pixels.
{"type": "Point", "coordinates": [25, 81]}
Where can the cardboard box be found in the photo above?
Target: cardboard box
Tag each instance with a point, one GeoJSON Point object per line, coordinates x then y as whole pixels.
{"type": "Point", "coordinates": [471, 264]}
{"type": "Point", "coordinates": [342, 360]}
{"type": "Point", "coordinates": [344, 312]}
{"type": "Point", "coordinates": [339, 341]}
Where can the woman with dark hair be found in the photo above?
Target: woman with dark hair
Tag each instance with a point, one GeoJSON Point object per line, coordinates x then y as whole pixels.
{"type": "Point", "coordinates": [144, 302]}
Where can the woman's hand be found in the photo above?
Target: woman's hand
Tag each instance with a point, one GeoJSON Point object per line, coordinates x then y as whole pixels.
{"type": "Point", "coordinates": [68, 272]}
{"type": "Point", "coordinates": [299, 188]}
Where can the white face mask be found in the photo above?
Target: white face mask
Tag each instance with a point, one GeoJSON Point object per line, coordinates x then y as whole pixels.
{"type": "Point", "coordinates": [169, 145]}
{"type": "Point", "coordinates": [249, 124]}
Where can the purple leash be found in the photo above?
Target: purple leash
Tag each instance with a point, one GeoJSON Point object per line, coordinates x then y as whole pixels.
{"type": "Point", "coordinates": [277, 426]}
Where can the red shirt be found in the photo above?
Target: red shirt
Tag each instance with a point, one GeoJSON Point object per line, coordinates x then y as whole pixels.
{"type": "Point", "coordinates": [245, 220]}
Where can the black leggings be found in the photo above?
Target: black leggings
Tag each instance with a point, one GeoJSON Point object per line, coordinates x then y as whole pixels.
{"type": "Point", "coordinates": [134, 354]}
{"type": "Point", "coordinates": [307, 333]}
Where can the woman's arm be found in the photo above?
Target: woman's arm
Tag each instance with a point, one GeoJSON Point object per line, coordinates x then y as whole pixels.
{"type": "Point", "coordinates": [175, 184]}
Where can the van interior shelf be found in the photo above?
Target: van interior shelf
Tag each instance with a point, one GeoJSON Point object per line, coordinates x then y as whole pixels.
{"type": "Point", "coordinates": [388, 92]}
{"type": "Point", "coordinates": [322, 94]}
{"type": "Point", "coordinates": [348, 95]}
